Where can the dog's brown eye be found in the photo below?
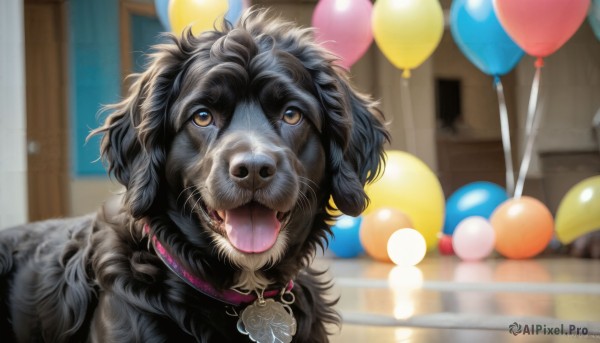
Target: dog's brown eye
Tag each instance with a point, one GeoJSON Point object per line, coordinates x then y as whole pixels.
{"type": "Point", "coordinates": [292, 116]}
{"type": "Point", "coordinates": [202, 118]}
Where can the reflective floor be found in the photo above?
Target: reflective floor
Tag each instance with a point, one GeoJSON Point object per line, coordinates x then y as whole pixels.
{"type": "Point", "coordinates": [554, 299]}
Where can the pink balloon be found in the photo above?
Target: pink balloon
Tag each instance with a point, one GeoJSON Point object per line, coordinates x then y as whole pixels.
{"type": "Point", "coordinates": [540, 27]}
{"type": "Point", "coordinates": [344, 27]}
{"type": "Point", "coordinates": [473, 239]}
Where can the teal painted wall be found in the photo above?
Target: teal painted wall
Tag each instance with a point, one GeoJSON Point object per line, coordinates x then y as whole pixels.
{"type": "Point", "coordinates": [95, 72]}
{"type": "Point", "coordinates": [145, 32]}
{"type": "Point", "coordinates": [94, 76]}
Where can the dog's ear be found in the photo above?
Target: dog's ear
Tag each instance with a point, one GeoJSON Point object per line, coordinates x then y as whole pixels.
{"type": "Point", "coordinates": [357, 135]}
{"type": "Point", "coordinates": [134, 134]}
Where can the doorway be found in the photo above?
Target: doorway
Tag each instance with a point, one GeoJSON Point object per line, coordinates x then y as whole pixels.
{"type": "Point", "coordinates": [47, 111]}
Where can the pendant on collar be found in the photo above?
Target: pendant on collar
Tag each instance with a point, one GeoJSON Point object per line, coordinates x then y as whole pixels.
{"type": "Point", "coordinates": [269, 321]}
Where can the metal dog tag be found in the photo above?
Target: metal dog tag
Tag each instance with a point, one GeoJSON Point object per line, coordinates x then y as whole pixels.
{"type": "Point", "coordinates": [267, 321]}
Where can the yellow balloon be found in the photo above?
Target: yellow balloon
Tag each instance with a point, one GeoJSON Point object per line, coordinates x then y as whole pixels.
{"type": "Point", "coordinates": [202, 15]}
{"type": "Point", "coordinates": [410, 186]}
{"type": "Point", "coordinates": [334, 211]}
{"type": "Point", "coordinates": [407, 31]}
{"type": "Point", "coordinates": [579, 210]}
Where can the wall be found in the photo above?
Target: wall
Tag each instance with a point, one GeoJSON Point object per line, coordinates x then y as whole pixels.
{"type": "Point", "coordinates": [13, 153]}
{"type": "Point", "coordinates": [566, 150]}
{"type": "Point", "coordinates": [480, 114]}
{"type": "Point", "coordinates": [569, 97]}
{"type": "Point", "coordinates": [471, 150]}
{"type": "Point", "coordinates": [94, 76]}
{"type": "Point", "coordinates": [94, 81]}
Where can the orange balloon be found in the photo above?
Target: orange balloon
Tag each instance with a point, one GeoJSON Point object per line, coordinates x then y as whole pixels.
{"type": "Point", "coordinates": [523, 227]}
{"type": "Point", "coordinates": [376, 229]}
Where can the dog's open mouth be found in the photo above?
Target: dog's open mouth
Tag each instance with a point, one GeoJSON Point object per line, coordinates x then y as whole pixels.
{"type": "Point", "coordinates": [251, 228]}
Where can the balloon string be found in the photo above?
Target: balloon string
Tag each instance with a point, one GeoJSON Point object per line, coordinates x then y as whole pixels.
{"type": "Point", "coordinates": [505, 127]}
{"type": "Point", "coordinates": [409, 122]}
{"type": "Point", "coordinates": [531, 131]}
{"type": "Point", "coordinates": [533, 98]}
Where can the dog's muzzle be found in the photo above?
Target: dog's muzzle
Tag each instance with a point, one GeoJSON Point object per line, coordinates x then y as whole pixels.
{"type": "Point", "coordinates": [252, 188]}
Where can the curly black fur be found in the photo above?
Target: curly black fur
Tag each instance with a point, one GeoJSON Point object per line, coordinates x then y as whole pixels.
{"type": "Point", "coordinates": [98, 279]}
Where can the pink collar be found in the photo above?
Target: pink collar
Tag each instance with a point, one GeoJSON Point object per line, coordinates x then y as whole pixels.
{"type": "Point", "coordinates": [228, 296]}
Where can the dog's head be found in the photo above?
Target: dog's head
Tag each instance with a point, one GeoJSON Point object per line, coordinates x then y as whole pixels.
{"type": "Point", "coordinates": [240, 137]}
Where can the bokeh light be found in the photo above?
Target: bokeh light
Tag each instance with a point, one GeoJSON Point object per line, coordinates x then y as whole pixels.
{"type": "Point", "coordinates": [406, 247]}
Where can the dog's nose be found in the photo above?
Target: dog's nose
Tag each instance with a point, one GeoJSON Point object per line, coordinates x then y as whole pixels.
{"type": "Point", "coordinates": [251, 170]}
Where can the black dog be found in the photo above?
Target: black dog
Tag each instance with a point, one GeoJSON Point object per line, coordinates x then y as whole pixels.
{"type": "Point", "coordinates": [229, 146]}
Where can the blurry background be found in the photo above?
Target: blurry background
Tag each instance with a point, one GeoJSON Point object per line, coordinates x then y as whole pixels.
{"type": "Point", "coordinates": [61, 60]}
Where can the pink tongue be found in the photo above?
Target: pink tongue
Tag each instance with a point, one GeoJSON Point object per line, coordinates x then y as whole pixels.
{"type": "Point", "coordinates": [252, 228]}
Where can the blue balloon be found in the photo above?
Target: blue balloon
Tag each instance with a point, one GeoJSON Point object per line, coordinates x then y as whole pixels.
{"type": "Point", "coordinates": [162, 11]}
{"type": "Point", "coordinates": [345, 242]}
{"type": "Point", "coordinates": [479, 35]}
{"type": "Point", "coordinates": [594, 17]}
{"type": "Point", "coordinates": [475, 199]}
{"type": "Point", "coordinates": [236, 7]}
